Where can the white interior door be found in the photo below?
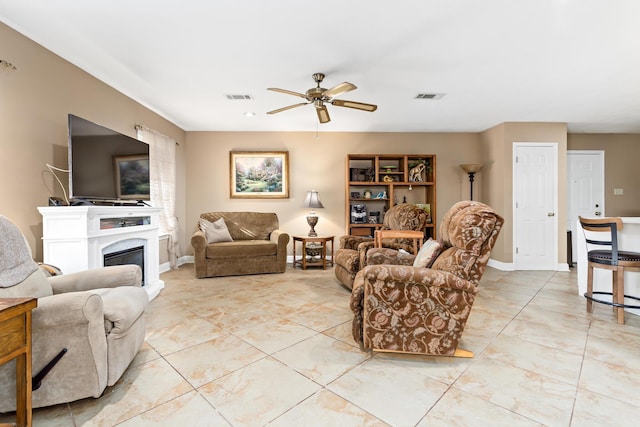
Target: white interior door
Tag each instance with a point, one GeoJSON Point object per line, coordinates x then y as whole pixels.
{"type": "Point", "coordinates": [585, 189]}
{"type": "Point", "coordinates": [535, 184]}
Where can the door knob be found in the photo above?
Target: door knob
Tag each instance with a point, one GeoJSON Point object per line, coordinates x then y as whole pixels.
{"type": "Point", "coordinates": [551, 214]}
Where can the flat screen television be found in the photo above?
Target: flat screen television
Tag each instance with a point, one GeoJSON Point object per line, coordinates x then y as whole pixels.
{"type": "Point", "coordinates": [105, 165]}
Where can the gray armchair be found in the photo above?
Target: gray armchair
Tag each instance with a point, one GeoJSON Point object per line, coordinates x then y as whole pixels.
{"type": "Point", "coordinates": [96, 315]}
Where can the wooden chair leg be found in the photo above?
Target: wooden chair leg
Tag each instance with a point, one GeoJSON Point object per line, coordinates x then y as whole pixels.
{"type": "Point", "coordinates": [589, 288]}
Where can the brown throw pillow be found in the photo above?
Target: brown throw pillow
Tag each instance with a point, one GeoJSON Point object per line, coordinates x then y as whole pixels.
{"type": "Point", "coordinates": [428, 253]}
{"type": "Point", "coordinates": [215, 231]}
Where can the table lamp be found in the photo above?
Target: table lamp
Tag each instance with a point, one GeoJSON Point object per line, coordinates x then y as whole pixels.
{"type": "Point", "coordinates": [312, 201]}
{"type": "Point", "coordinates": [471, 169]}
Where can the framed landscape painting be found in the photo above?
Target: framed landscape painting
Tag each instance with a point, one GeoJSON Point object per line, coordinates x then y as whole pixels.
{"type": "Point", "coordinates": [259, 174]}
{"type": "Point", "coordinates": [132, 177]}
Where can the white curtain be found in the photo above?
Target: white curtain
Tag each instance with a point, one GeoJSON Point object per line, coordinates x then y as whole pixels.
{"type": "Point", "coordinates": [162, 162]}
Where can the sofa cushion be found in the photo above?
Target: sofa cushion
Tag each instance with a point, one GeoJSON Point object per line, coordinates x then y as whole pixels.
{"type": "Point", "coordinates": [242, 249]}
{"type": "Point", "coordinates": [246, 225]}
{"type": "Point", "coordinates": [216, 231]}
{"type": "Point", "coordinates": [428, 253]}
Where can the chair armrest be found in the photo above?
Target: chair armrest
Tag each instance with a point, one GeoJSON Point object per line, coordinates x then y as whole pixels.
{"type": "Point", "coordinates": [352, 242]}
{"type": "Point", "coordinates": [73, 308]}
{"type": "Point", "coordinates": [198, 241]}
{"type": "Point", "coordinates": [404, 276]}
{"type": "Point", "coordinates": [377, 256]}
{"type": "Point", "coordinates": [104, 277]}
{"type": "Point", "coordinates": [279, 237]}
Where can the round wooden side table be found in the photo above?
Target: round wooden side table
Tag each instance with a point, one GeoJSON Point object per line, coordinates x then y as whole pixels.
{"type": "Point", "coordinates": [314, 251]}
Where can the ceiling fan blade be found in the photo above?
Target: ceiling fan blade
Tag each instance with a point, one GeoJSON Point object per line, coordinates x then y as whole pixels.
{"type": "Point", "coordinates": [287, 108]}
{"type": "Point", "coordinates": [323, 113]}
{"type": "Point", "coordinates": [353, 104]}
{"type": "Point", "coordinates": [339, 89]}
{"type": "Point", "coordinates": [288, 92]}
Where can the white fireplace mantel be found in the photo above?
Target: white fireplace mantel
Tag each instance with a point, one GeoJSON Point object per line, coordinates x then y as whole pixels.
{"type": "Point", "coordinates": [76, 238]}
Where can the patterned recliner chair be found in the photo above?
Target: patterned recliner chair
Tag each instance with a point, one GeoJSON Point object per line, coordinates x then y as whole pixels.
{"type": "Point", "coordinates": [410, 309]}
{"type": "Point", "coordinates": [351, 255]}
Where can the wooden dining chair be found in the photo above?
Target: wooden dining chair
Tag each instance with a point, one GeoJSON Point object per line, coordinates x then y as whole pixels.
{"type": "Point", "coordinates": [416, 236]}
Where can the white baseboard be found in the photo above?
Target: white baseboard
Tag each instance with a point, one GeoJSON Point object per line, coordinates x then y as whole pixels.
{"type": "Point", "coordinates": [509, 266]}
{"type": "Point", "coordinates": [502, 266]}
{"type": "Point", "coordinates": [187, 259]}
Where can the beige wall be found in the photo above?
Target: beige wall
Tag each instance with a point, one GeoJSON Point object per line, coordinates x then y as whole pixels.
{"type": "Point", "coordinates": [34, 103]}
{"type": "Point", "coordinates": [319, 163]}
{"type": "Point", "coordinates": [497, 146]}
{"type": "Point", "coordinates": [621, 153]}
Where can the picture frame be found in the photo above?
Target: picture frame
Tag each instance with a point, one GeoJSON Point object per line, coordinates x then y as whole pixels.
{"type": "Point", "coordinates": [132, 177]}
{"type": "Point", "coordinates": [259, 174]}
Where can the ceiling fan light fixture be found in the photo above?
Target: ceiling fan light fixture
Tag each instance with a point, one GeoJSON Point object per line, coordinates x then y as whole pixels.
{"type": "Point", "coordinates": [320, 97]}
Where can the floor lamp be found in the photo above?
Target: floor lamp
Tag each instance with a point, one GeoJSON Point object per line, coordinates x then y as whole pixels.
{"type": "Point", "coordinates": [471, 169]}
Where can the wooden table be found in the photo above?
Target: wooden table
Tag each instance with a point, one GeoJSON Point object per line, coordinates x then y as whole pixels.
{"type": "Point", "coordinates": [15, 343]}
{"type": "Point", "coordinates": [320, 244]}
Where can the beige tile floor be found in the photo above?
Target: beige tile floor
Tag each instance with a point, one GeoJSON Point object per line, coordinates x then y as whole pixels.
{"type": "Point", "coordinates": [277, 350]}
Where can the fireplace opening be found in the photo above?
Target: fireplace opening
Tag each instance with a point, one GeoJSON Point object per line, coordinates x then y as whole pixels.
{"type": "Point", "coordinates": [127, 256]}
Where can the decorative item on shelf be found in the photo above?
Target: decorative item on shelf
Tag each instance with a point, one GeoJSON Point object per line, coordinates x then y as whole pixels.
{"type": "Point", "coordinates": [415, 174]}
{"type": "Point", "coordinates": [419, 170]}
{"type": "Point", "coordinates": [358, 214]}
{"type": "Point", "coordinates": [389, 168]}
{"type": "Point", "coordinates": [370, 175]}
{"type": "Point", "coordinates": [355, 194]}
{"type": "Point", "coordinates": [367, 194]}
{"type": "Point", "coordinates": [388, 178]}
{"type": "Point", "coordinates": [374, 217]}
{"type": "Point", "coordinates": [358, 174]}
{"type": "Point", "coordinates": [313, 251]}
{"type": "Point", "coordinates": [471, 169]}
{"type": "Point", "coordinates": [381, 195]}
{"type": "Point", "coordinates": [312, 201]}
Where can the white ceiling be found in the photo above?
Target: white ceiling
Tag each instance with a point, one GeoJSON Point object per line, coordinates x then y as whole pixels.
{"type": "Point", "coordinates": [573, 61]}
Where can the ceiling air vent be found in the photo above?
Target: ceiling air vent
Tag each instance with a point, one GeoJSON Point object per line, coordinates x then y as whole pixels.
{"type": "Point", "coordinates": [429, 95]}
{"type": "Point", "coordinates": [238, 97]}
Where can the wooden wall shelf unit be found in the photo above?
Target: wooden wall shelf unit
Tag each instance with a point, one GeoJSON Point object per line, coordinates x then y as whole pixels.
{"type": "Point", "coordinates": [376, 182]}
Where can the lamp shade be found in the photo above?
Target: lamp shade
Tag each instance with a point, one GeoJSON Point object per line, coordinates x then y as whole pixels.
{"type": "Point", "coordinates": [471, 167]}
{"type": "Point", "coordinates": [312, 200]}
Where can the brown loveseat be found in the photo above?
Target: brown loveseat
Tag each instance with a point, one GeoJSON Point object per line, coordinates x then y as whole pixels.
{"type": "Point", "coordinates": [401, 308]}
{"type": "Point", "coordinates": [258, 246]}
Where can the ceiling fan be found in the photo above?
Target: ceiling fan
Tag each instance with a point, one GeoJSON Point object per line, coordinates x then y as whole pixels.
{"type": "Point", "coordinates": [319, 97]}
